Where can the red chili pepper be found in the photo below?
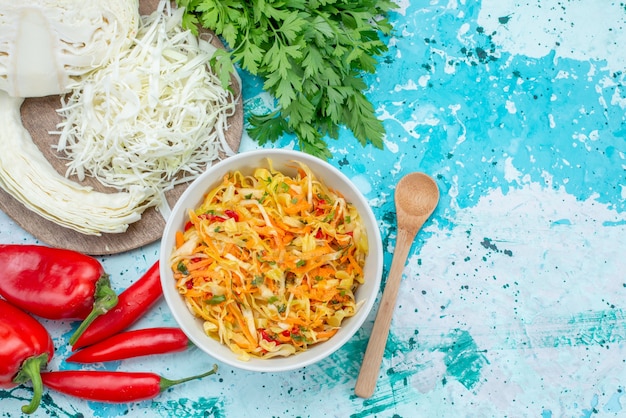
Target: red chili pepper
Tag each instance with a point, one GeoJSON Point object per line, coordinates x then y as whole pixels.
{"type": "Point", "coordinates": [141, 342]}
{"type": "Point", "coordinates": [25, 349]}
{"type": "Point", "coordinates": [111, 386]}
{"type": "Point", "coordinates": [55, 283]}
{"type": "Point", "coordinates": [133, 303]}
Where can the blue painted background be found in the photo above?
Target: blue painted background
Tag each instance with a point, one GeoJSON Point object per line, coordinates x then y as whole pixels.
{"type": "Point", "coordinates": [514, 298]}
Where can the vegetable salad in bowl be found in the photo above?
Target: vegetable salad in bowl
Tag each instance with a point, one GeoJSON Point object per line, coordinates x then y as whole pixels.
{"type": "Point", "coordinates": [271, 260]}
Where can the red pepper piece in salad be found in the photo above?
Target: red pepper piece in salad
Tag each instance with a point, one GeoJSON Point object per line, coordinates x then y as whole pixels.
{"type": "Point", "coordinates": [25, 349]}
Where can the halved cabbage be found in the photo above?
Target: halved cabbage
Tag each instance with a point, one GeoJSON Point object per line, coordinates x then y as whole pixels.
{"type": "Point", "coordinates": [30, 178]}
{"type": "Point", "coordinates": [44, 44]}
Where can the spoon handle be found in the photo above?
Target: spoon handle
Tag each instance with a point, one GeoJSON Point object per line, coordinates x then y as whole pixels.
{"type": "Point", "coordinates": [370, 367]}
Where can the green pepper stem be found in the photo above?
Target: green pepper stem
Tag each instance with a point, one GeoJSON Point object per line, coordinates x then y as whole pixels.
{"type": "Point", "coordinates": [30, 370]}
{"type": "Point", "coordinates": [105, 299]}
{"type": "Point", "coordinates": [165, 384]}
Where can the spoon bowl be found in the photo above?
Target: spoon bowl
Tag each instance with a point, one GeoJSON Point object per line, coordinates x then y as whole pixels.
{"type": "Point", "coordinates": [416, 197]}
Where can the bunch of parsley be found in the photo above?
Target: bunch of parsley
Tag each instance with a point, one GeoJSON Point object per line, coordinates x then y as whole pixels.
{"type": "Point", "coordinates": [310, 54]}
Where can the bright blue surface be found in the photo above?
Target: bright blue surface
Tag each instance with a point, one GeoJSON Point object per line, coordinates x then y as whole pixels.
{"type": "Point", "coordinates": [514, 298]}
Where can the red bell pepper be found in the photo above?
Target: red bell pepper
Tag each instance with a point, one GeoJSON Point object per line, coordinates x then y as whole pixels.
{"type": "Point", "coordinates": [25, 349]}
{"type": "Point", "coordinates": [132, 304]}
{"type": "Point", "coordinates": [112, 386]}
{"type": "Point", "coordinates": [136, 343]}
{"type": "Point", "coordinates": [55, 283]}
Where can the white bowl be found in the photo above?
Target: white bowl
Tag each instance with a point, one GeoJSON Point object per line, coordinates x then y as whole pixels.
{"type": "Point", "coordinates": [246, 162]}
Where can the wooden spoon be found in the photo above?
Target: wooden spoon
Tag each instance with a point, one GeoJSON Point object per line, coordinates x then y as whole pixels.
{"type": "Point", "coordinates": [416, 198]}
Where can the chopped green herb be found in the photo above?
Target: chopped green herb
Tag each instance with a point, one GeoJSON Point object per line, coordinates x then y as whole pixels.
{"type": "Point", "coordinates": [311, 56]}
{"type": "Point", "coordinates": [301, 263]}
{"type": "Point", "coordinates": [330, 216]}
{"type": "Point", "coordinates": [182, 268]}
{"type": "Point", "coordinates": [216, 299]}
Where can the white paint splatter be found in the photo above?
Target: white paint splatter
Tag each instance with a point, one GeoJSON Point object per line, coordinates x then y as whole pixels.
{"type": "Point", "coordinates": [511, 174]}
{"type": "Point", "coordinates": [452, 4]}
{"type": "Point", "coordinates": [505, 273]}
{"type": "Point", "coordinates": [585, 30]}
{"type": "Point", "coordinates": [362, 184]}
{"type": "Point", "coordinates": [454, 109]}
{"type": "Point", "coordinates": [618, 98]}
{"type": "Point", "coordinates": [402, 6]}
{"type": "Point", "coordinates": [562, 74]}
{"type": "Point", "coordinates": [409, 85]}
{"type": "Point", "coordinates": [510, 107]}
{"type": "Point", "coordinates": [465, 27]}
{"type": "Point", "coordinates": [425, 115]}
{"type": "Point", "coordinates": [449, 66]}
{"type": "Point", "coordinates": [392, 146]}
{"type": "Point", "coordinates": [423, 80]}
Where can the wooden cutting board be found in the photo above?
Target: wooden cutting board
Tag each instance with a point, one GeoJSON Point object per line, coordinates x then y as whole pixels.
{"type": "Point", "coordinates": [39, 117]}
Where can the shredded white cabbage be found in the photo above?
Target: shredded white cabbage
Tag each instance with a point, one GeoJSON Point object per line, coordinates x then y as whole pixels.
{"type": "Point", "coordinates": [47, 44]}
{"type": "Point", "coordinates": [261, 286]}
{"type": "Point", "coordinates": [29, 177]}
{"type": "Point", "coordinates": [154, 117]}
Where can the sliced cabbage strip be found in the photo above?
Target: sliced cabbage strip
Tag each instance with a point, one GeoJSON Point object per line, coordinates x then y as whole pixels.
{"type": "Point", "coordinates": [155, 116]}
{"type": "Point", "coordinates": [29, 177]}
{"type": "Point", "coordinates": [46, 44]}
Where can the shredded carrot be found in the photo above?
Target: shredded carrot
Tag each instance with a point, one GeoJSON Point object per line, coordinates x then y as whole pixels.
{"type": "Point", "coordinates": [275, 251]}
{"type": "Point", "coordinates": [180, 239]}
{"type": "Point", "coordinates": [299, 206]}
{"type": "Point", "coordinates": [324, 335]}
{"type": "Point", "coordinates": [234, 309]}
{"type": "Point", "coordinates": [199, 264]}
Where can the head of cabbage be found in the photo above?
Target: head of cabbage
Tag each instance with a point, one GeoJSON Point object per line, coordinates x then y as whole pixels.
{"type": "Point", "coordinates": [45, 45]}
